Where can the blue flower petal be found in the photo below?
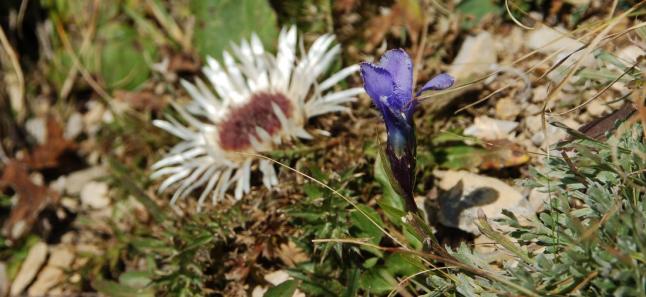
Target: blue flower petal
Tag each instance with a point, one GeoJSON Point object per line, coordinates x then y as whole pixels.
{"type": "Point", "coordinates": [439, 82]}
{"type": "Point", "coordinates": [399, 65]}
{"type": "Point", "coordinates": [378, 83]}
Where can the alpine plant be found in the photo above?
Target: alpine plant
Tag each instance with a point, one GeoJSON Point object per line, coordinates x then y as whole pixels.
{"type": "Point", "coordinates": [250, 104]}
{"type": "Point", "coordinates": [390, 85]}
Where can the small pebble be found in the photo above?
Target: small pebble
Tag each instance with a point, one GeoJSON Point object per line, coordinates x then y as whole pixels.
{"type": "Point", "coordinates": [539, 94]}
{"type": "Point", "coordinates": [597, 108]}
{"type": "Point", "coordinates": [507, 109]}
{"type": "Point", "coordinates": [35, 259]}
{"type": "Point", "coordinates": [534, 123]}
{"type": "Point", "coordinates": [37, 128]}
{"type": "Point", "coordinates": [74, 126]}
{"type": "Point", "coordinates": [538, 138]}
{"type": "Point", "coordinates": [95, 195]}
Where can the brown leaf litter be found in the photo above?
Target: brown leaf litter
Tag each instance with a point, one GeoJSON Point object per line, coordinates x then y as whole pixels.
{"type": "Point", "coordinates": [47, 155]}
{"type": "Point", "coordinates": [404, 13]}
{"type": "Point", "coordinates": [32, 197]}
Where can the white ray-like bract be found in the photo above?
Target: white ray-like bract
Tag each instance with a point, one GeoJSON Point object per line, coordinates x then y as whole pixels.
{"type": "Point", "coordinates": [250, 103]}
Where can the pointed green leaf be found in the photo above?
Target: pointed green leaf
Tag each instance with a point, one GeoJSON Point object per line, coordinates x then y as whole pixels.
{"type": "Point", "coordinates": [285, 289]}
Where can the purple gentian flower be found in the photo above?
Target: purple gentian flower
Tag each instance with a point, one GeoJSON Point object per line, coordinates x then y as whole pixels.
{"type": "Point", "coordinates": [390, 85]}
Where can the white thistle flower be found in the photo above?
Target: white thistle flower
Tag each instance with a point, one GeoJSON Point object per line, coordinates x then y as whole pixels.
{"type": "Point", "coordinates": [260, 100]}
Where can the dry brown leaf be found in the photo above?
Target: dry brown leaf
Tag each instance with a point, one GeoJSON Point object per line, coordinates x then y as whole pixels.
{"type": "Point", "coordinates": [377, 28]}
{"type": "Point", "coordinates": [503, 154]}
{"type": "Point", "coordinates": [291, 254]}
{"type": "Point", "coordinates": [47, 155]}
{"type": "Point", "coordinates": [32, 199]}
{"type": "Point", "coordinates": [598, 128]}
{"type": "Point", "coordinates": [238, 273]}
{"type": "Point", "coordinates": [183, 63]}
{"type": "Point", "coordinates": [405, 13]}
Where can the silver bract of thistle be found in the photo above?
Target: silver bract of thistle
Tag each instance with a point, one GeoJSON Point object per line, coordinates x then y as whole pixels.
{"type": "Point", "coordinates": [250, 104]}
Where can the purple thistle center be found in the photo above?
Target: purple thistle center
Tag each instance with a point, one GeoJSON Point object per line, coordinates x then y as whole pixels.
{"type": "Point", "coordinates": [242, 121]}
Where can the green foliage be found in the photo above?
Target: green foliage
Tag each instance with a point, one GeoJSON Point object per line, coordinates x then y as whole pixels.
{"type": "Point", "coordinates": [338, 269]}
{"type": "Point", "coordinates": [322, 214]}
{"type": "Point", "coordinates": [589, 241]}
{"type": "Point", "coordinates": [115, 289]}
{"type": "Point", "coordinates": [456, 151]}
{"type": "Point", "coordinates": [285, 289]}
{"type": "Point", "coordinates": [603, 241]}
{"type": "Point", "coordinates": [124, 56]}
{"type": "Point", "coordinates": [119, 53]}
{"type": "Point", "coordinates": [221, 22]}
{"type": "Point", "coordinates": [591, 238]}
{"type": "Point", "coordinates": [391, 202]}
{"type": "Point", "coordinates": [177, 253]}
{"type": "Point", "coordinates": [312, 16]}
{"type": "Point", "coordinates": [185, 251]}
{"type": "Point", "coordinates": [5, 201]}
{"type": "Point", "coordinates": [366, 227]}
{"type": "Point", "coordinates": [474, 10]}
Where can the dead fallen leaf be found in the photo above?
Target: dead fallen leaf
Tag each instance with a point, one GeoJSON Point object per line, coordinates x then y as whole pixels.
{"type": "Point", "coordinates": [183, 63]}
{"type": "Point", "coordinates": [241, 266]}
{"type": "Point", "coordinates": [32, 199]}
{"type": "Point", "coordinates": [291, 254]}
{"type": "Point", "coordinates": [502, 154]}
{"type": "Point", "coordinates": [239, 272]}
{"type": "Point", "coordinates": [47, 155]}
{"type": "Point", "coordinates": [598, 128]}
{"type": "Point", "coordinates": [496, 154]}
{"type": "Point", "coordinates": [404, 13]}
